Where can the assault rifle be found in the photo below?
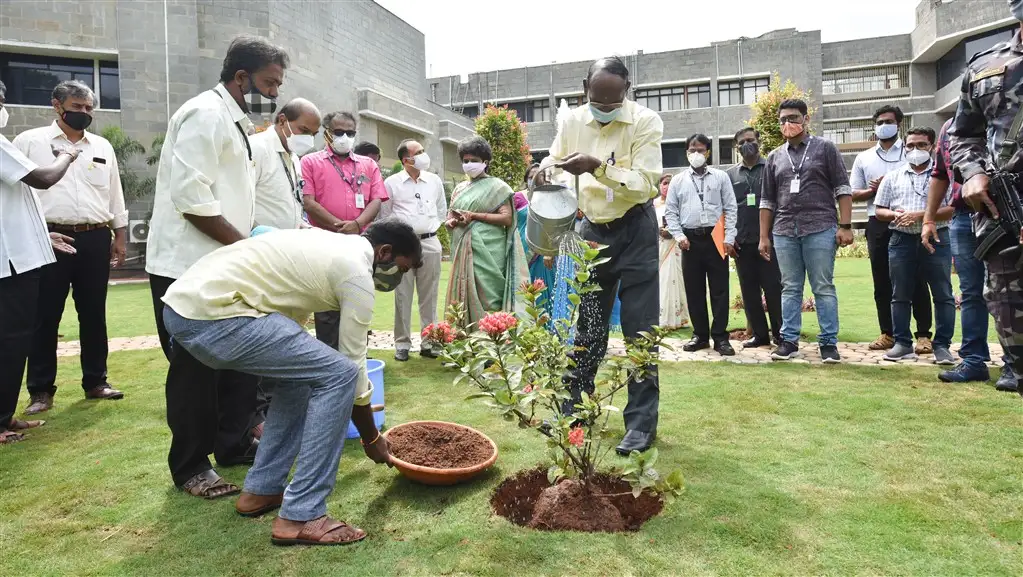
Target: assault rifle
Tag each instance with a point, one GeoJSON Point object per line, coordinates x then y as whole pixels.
{"type": "Point", "coordinates": [1004, 189]}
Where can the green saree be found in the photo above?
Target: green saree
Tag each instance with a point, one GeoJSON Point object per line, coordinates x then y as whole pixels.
{"type": "Point", "coordinates": [487, 261]}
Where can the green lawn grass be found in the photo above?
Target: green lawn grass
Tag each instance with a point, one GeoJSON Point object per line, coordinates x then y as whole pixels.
{"type": "Point", "coordinates": [790, 469]}
{"type": "Point", "coordinates": [129, 308]}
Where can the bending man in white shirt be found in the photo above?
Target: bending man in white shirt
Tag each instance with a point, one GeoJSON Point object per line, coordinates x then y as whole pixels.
{"type": "Point", "coordinates": [85, 205]}
{"type": "Point", "coordinates": [24, 251]}
{"type": "Point", "coordinates": [417, 197]}
{"type": "Point", "coordinates": [276, 153]}
{"type": "Point", "coordinates": [241, 308]}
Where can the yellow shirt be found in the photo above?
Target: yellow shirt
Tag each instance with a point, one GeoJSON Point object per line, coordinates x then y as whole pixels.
{"type": "Point", "coordinates": [291, 272]}
{"type": "Point", "coordinates": [635, 140]}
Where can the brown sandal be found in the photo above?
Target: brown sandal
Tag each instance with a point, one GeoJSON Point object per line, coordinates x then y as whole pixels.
{"type": "Point", "coordinates": [209, 485]}
{"type": "Point", "coordinates": [17, 425]}
{"type": "Point", "coordinates": [10, 437]}
{"type": "Point", "coordinates": [322, 531]}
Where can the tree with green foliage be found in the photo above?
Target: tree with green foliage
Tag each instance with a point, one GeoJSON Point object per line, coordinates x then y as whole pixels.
{"type": "Point", "coordinates": [134, 184]}
{"type": "Point", "coordinates": [764, 111]}
{"type": "Point", "coordinates": [507, 137]}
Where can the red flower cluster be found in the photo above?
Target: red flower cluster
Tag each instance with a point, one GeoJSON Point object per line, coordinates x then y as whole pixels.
{"type": "Point", "coordinates": [537, 286]}
{"type": "Point", "coordinates": [495, 324]}
{"type": "Point", "coordinates": [576, 436]}
{"type": "Point", "coordinates": [527, 389]}
{"type": "Point", "coordinates": [439, 333]}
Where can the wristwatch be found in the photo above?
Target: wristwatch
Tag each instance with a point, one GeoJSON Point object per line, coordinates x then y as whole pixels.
{"type": "Point", "coordinates": [600, 171]}
{"type": "Point", "coordinates": [845, 226]}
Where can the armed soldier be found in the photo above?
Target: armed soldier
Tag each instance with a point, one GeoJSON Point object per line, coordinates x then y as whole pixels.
{"type": "Point", "coordinates": [984, 140]}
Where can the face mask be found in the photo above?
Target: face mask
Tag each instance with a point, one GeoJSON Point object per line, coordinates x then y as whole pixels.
{"type": "Point", "coordinates": [299, 143]}
{"type": "Point", "coordinates": [749, 149]}
{"type": "Point", "coordinates": [790, 130]}
{"type": "Point", "coordinates": [257, 102]}
{"type": "Point", "coordinates": [3, 117]}
{"type": "Point", "coordinates": [474, 169]}
{"type": "Point", "coordinates": [342, 144]}
{"type": "Point", "coordinates": [421, 161]}
{"type": "Point", "coordinates": [604, 117]}
{"type": "Point", "coordinates": [918, 157]}
{"type": "Point", "coordinates": [886, 131]}
{"type": "Point", "coordinates": [697, 160]}
{"type": "Point", "coordinates": [76, 120]}
{"type": "Point", "coordinates": [386, 276]}
{"type": "Point", "coordinates": [1016, 8]}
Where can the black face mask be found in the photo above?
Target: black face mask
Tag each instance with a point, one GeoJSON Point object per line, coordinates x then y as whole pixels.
{"type": "Point", "coordinates": [76, 120]}
{"type": "Point", "coordinates": [749, 149]}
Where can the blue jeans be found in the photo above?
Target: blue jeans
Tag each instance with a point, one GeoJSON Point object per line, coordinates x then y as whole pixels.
{"type": "Point", "coordinates": [973, 309]}
{"type": "Point", "coordinates": [311, 406]}
{"type": "Point", "coordinates": [911, 262]}
{"type": "Point", "coordinates": [801, 257]}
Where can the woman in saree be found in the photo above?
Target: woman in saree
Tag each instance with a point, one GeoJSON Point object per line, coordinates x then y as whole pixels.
{"type": "Point", "coordinates": [487, 260]}
{"type": "Point", "coordinates": [674, 309]}
{"type": "Point", "coordinates": [539, 267]}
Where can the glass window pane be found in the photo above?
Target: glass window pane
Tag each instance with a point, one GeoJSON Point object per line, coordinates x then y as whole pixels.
{"type": "Point", "coordinates": [30, 79]}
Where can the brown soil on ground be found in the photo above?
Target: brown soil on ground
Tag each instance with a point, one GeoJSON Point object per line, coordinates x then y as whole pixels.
{"type": "Point", "coordinates": [439, 446]}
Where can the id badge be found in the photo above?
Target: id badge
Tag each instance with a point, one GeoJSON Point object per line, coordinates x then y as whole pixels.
{"type": "Point", "coordinates": [609, 195]}
{"type": "Point", "coordinates": [751, 199]}
{"type": "Point", "coordinates": [794, 186]}
{"type": "Point", "coordinates": [703, 219]}
{"type": "Point", "coordinates": [421, 208]}
{"type": "Point", "coordinates": [360, 200]}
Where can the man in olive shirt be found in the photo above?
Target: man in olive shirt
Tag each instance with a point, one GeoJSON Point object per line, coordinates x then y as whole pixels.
{"type": "Point", "coordinates": [614, 146]}
{"type": "Point", "coordinates": [757, 276]}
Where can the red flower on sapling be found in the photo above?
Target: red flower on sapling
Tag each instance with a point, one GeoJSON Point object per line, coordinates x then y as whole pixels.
{"type": "Point", "coordinates": [576, 437]}
{"type": "Point", "coordinates": [439, 332]}
{"type": "Point", "coordinates": [495, 324]}
{"type": "Point", "coordinates": [527, 389]}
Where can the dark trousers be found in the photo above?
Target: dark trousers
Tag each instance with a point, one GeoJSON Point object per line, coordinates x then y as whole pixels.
{"type": "Point", "coordinates": [85, 274]}
{"type": "Point", "coordinates": [208, 411]}
{"type": "Point", "coordinates": [327, 326]}
{"type": "Point", "coordinates": [878, 238]}
{"type": "Point", "coordinates": [19, 297]}
{"type": "Point", "coordinates": [632, 249]}
{"type": "Point", "coordinates": [760, 277]}
{"type": "Point", "coordinates": [1003, 293]}
{"type": "Point", "coordinates": [702, 265]}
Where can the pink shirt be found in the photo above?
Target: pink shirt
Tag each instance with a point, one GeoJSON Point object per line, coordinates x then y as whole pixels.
{"type": "Point", "coordinates": [337, 194]}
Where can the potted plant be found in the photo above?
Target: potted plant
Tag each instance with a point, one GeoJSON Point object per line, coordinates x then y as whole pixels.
{"type": "Point", "coordinates": [517, 364]}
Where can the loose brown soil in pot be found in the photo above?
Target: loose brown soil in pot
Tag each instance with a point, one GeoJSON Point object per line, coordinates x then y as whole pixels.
{"type": "Point", "coordinates": [439, 446]}
{"type": "Point", "coordinates": [522, 500]}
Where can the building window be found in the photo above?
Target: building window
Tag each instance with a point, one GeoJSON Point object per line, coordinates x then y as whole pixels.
{"type": "Point", "coordinates": [952, 64]}
{"type": "Point", "coordinates": [470, 111]}
{"type": "Point", "coordinates": [850, 131]}
{"type": "Point", "coordinates": [698, 96]}
{"type": "Point", "coordinates": [866, 80]}
{"type": "Point", "coordinates": [540, 111]}
{"type": "Point", "coordinates": [729, 93]}
{"type": "Point", "coordinates": [753, 88]}
{"type": "Point", "coordinates": [726, 151]}
{"type": "Point", "coordinates": [539, 155]}
{"type": "Point", "coordinates": [573, 101]}
{"type": "Point", "coordinates": [675, 98]}
{"type": "Point", "coordinates": [673, 154]}
{"type": "Point", "coordinates": [30, 79]}
{"type": "Point", "coordinates": [433, 92]}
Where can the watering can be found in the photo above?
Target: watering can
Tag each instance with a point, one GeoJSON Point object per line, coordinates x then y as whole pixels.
{"type": "Point", "coordinates": [551, 214]}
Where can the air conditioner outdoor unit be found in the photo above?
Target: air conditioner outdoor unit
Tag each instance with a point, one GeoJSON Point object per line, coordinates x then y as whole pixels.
{"type": "Point", "coordinates": [138, 231]}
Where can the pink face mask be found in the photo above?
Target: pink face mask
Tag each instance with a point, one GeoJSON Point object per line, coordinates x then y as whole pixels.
{"type": "Point", "coordinates": [790, 130]}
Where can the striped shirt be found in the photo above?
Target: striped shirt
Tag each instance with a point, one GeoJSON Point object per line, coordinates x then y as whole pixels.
{"type": "Point", "coordinates": [905, 190]}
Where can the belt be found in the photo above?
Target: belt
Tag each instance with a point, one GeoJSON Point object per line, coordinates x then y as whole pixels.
{"type": "Point", "coordinates": [702, 231]}
{"type": "Point", "coordinates": [427, 235]}
{"type": "Point", "coordinates": [75, 227]}
{"type": "Point", "coordinates": [624, 219]}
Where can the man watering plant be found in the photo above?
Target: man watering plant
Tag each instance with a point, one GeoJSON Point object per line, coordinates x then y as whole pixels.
{"type": "Point", "coordinates": [614, 146]}
{"type": "Point", "coordinates": [240, 308]}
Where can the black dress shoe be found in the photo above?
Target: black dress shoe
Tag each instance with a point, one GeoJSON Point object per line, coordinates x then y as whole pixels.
{"type": "Point", "coordinates": [635, 441]}
{"type": "Point", "coordinates": [245, 458]}
{"type": "Point", "coordinates": [725, 349]}
{"type": "Point", "coordinates": [696, 344]}
{"type": "Point", "coordinates": [755, 342]}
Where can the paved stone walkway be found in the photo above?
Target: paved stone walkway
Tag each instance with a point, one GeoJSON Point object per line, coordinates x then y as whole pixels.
{"type": "Point", "coordinates": [852, 353]}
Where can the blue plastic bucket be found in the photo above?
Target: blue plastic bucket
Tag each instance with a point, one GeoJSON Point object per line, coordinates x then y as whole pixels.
{"type": "Point", "coordinates": [375, 369]}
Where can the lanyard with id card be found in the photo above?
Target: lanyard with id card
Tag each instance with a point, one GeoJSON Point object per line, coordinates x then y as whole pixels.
{"type": "Point", "coordinates": [796, 171]}
{"type": "Point", "coordinates": [360, 199]}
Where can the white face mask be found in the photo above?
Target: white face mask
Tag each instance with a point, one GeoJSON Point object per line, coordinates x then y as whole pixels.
{"type": "Point", "coordinates": [918, 157]}
{"type": "Point", "coordinates": [474, 169]}
{"type": "Point", "coordinates": [342, 144]}
{"type": "Point", "coordinates": [886, 131]}
{"type": "Point", "coordinates": [421, 161]}
{"type": "Point", "coordinates": [299, 143]}
{"type": "Point", "coordinates": [697, 160]}
{"type": "Point", "coordinates": [3, 117]}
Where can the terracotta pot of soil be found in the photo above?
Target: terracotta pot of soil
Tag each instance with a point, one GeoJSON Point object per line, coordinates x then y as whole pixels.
{"type": "Point", "coordinates": [439, 453]}
{"type": "Point", "coordinates": [607, 505]}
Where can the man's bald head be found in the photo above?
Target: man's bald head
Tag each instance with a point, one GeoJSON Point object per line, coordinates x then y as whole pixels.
{"type": "Point", "coordinates": [302, 115]}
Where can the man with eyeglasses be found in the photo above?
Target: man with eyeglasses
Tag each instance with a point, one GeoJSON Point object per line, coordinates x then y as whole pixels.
{"type": "Point", "coordinates": [804, 178]}
{"type": "Point", "coordinates": [613, 146]}
{"type": "Point", "coordinates": [868, 169]}
{"type": "Point", "coordinates": [343, 193]}
{"type": "Point", "coordinates": [901, 201]}
{"type": "Point", "coordinates": [416, 196]}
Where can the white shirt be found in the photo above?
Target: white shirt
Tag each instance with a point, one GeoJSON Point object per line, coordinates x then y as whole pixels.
{"type": "Point", "coordinates": [278, 174]}
{"type": "Point", "coordinates": [421, 203]}
{"type": "Point", "coordinates": [696, 201]}
{"type": "Point", "coordinates": [24, 241]}
{"type": "Point", "coordinates": [874, 163]}
{"type": "Point", "coordinates": [291, 272]}
{"type": "Point", "coordinates": [90, 192]}
{"type": "Point", "coordinates": [204, 170]}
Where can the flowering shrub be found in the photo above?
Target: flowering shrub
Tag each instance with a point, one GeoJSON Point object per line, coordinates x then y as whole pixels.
{"type": "Point", "coordinates": [517, 364]}
{"type": "Point", "coordinates": [442, 333]}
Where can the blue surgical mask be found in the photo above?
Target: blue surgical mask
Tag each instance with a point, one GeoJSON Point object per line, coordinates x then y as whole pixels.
{"type": "Point", "coordinates": [886, 131]}
{"type": "Point", "coordinates": [604, 117]}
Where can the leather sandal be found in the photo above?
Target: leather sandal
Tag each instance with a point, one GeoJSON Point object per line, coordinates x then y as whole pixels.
{"type": "Point", "coordinates": [209, 485]}
{"type": "Point", "coordinates": [10, 437]}
{"type": "Point", "coordinates": [322, 531]}
{"type": "Point", "coordinates": [18, 425]}
{"type": "Point", "coordinates": [252, 505]}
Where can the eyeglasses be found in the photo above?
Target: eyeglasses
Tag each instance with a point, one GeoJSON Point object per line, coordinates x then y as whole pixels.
{"type": "Point", "coordinates": [348, 133]}
{"type": "Point", "coordinates": [791, 120]}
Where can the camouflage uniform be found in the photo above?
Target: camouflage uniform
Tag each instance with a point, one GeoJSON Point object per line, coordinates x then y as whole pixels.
{"type": "Point", "coordinates": [991, 96]}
